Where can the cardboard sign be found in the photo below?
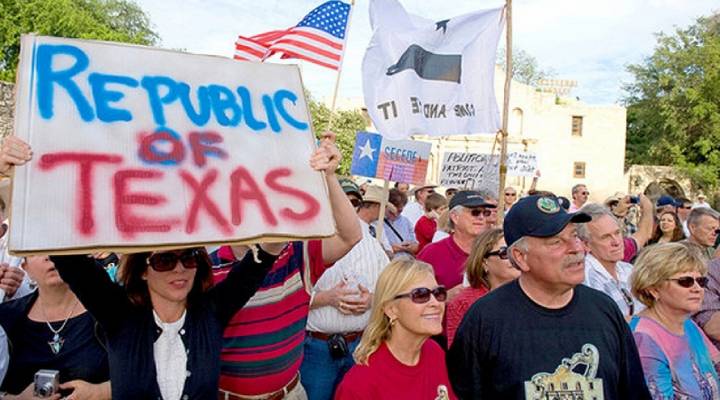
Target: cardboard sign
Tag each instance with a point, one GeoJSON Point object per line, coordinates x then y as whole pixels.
{"type": "Point", "coordinates": [521, 163]}
{"type": "Point", "coordinates": [470, 171]}
{"type": "Point", "coordinates": [138, 148]}
{"type": "Point", "coordinates": [403, 161]}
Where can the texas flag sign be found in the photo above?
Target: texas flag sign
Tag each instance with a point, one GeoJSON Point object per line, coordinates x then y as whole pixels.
{"type": "Point", "coordinates": [403, 161]}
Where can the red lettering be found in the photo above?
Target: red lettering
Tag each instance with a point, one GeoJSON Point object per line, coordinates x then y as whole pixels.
{"type": "Point", "coordinates": [128, 223]}
{"type": "Point", "coordinates": [243, 187]}
{"type": "Point", "coordinates": [200, 189]}
{"type": "Point", "coordinates": [201, 146]}
{"type": "Point", "coordinates": [312, 207]}
{"type": "Point", "coordinates": [150, 154]}
{"type": "Point", "coordinates": [85, 162]}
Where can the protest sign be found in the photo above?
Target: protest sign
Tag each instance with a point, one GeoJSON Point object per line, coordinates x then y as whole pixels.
{"type": "Point", "coordinates": [403, 161]}
{"type": "Point", "coordinates": [470, 171]}
{"type": "Point", "coordinates": [138, 148]}
{"type": "Point", "coordinates": [520, 163]}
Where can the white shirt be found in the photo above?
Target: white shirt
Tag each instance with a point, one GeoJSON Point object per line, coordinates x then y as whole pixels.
{"type": "Point", "coordinates": [597, 277]}
{"type": "Point", "coordinates": [361, 265]}
{"type": "Point", "coordinates": [170, 358]}
{"type": "Point", "coordinates": [413, 211]}
{"type": "Point", "coordinates": [439, 235]}
{"type": "Point", "coordinates": [26, 286]}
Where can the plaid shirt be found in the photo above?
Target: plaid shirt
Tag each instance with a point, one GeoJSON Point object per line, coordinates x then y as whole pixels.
{"type": "Point", "coordinates": [711, 302]}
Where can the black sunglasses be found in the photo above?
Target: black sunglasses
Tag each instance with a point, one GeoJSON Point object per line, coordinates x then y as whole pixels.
{"type": "Point", "coordinates": [422, 295]}
{"type": "Point", "coordinates": [163, 262]}
{"type": "Point", "coordinates": [502, 253]}
{"type": "Point", "coordinates": [688, 281]}
{"type": "Point", "coordinates": [510, 194]}
{"type": "Point", "coordinates": [476, 212]}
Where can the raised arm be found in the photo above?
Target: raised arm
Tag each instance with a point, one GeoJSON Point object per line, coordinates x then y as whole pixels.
{"type": "Point", "coordinates": [105, 300]}
{"type": "Point", "coordinates": [645, 226]}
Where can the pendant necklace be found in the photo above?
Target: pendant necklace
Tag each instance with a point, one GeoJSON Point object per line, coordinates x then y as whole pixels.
{"type": "Point", "coordinates": [58, 341]}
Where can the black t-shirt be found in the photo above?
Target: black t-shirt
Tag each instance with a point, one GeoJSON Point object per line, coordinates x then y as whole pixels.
{"type": "Point", "coordinates": [509, 347]}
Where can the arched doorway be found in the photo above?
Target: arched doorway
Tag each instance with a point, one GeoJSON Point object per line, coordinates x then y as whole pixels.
{"type": "Point", "coordinates": [664, 186]}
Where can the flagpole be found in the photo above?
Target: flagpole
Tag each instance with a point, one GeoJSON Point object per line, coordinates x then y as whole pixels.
{"type": "Point", "coordinates": [506, 104]}
{"type": "Point", "coordinates": [342, 61]}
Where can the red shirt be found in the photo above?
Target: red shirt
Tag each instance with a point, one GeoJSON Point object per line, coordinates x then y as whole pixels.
{"type": "Point", "coordinates": [387, 378]}
{"type": "Point", "coordinates": [457, 307]}
{"type": "Point", "coordinates": [447, 259]}
{"type": "Point", "coordinates": [424, 231]}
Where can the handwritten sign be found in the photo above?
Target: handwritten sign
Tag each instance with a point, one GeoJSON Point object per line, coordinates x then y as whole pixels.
{"type": "Point", "coordinates": [520, 163]}
{"type": "Point", "coordinates": [470, 171]}
{"type": "Point", "coordinates": [138, 148]}
{"type": "Point", "coordinates": [403, 161]}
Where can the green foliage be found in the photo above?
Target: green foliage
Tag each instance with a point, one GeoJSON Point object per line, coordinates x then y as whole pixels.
{"type": "Point", "coordinates": [525, 68]}
{"type": "Point", "coordinates": [112, 20]}
{"type": "Point", "coordinates": [344, 123]}
{"type": "Point", "coordinates": [674, 104]}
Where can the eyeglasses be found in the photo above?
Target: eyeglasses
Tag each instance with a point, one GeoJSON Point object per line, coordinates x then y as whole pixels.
{"type": "Point", "coordinates": [166, 261]}
{"type": "Point", "coordinates": [476, 212]}
{"type": "Point", "coordinates": [584, 193]}
{"type": "Point", "coordinates": [686, 207]}
{"type": "Point", "coordinates": [688, 281]}
{"type": "Point", "coordinates": [511, 194]}
{"type": "Point", "coordinates": [501, 253]}
{"type": "Point", "coordinates": [628, 300]}
{"type": "Point", "coordinates": [422, 295]}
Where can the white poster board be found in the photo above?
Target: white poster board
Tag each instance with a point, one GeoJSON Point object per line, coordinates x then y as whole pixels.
{"type": "Point", "coordinates": [470, 171]}
{"type": "Point", "coordinates": [138, 148]}
{"type": "Point", "coordinates": [522, 163]}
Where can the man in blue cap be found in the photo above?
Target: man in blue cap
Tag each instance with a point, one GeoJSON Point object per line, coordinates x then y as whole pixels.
{"type": "Point", "coordinates": [545, 335]}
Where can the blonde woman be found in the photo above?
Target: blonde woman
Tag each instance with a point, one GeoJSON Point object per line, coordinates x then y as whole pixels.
{"type": "Point", "coordinates": [487, 268]}
{"type": "Point", "coordinates": [678, 360]}
{"type": "Point", "coordinates": [395, 359]}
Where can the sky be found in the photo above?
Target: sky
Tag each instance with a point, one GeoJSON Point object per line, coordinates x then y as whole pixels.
{"type": "Point", "coordinates": [589, 41]}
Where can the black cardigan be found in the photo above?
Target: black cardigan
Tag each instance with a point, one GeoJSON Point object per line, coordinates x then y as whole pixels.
{"type": "Point", "coordinates": [132, 331]}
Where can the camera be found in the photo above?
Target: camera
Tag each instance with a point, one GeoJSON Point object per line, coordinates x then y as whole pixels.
{"type": "Point", "coordinates": [47, 382]}
{"type": "Point", "coordinates": [634, 199]}
{"type": "Point", "coordinates": [338, 346]}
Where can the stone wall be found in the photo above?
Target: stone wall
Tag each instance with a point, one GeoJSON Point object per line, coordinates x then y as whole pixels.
{"type": "Point", "coordinates": [7, 107]}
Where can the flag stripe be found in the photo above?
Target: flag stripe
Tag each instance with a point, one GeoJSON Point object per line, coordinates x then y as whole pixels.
{"type": "Point", "coordinates": [284, 43]}
{"type": "Point", "coordinates": [318, 36]}
{"type": "Point", "coordinates": [299, 53]}
{"type": "Point", "coordinates": [250, 45]}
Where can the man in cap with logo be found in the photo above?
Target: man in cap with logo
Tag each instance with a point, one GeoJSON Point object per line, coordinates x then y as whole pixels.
{"type": "Point", "coordinates": [545, 335]}
{"type": "Point", "coordinates": [468, 215]}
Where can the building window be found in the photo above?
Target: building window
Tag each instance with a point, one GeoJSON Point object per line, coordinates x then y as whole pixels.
{"type": "Point", "coordinates": [577, 125]}
{"type": "Point", "coordinates": [579, 170]}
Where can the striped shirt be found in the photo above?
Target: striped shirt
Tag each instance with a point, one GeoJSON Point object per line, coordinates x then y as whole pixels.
{"type": "Point", "coordinates": [263, 344]}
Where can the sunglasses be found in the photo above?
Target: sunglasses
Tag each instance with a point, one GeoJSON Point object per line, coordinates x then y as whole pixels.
{"type": "Point", "coordinates": [476, 212]}
{"type": "Point", "coordinates": [163, 262]}
{"type": "Point", "coordinates": [422, 295]}
{"type": "Point", "coordinates": [510, 194]}
{"type": "Point", "coordinates": [688, 281]}
{"type": "Point", "coordinates": [501, 253]}
{"type": "Point", "coordinates": [585, 193]}
{"type": "Point", "coordinates": [686, 207]}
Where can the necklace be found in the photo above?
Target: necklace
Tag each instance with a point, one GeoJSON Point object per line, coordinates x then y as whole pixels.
{"type": "Point", "coordinates": [57, 343]}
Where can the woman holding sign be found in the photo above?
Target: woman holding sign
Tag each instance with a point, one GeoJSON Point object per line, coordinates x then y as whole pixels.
{"type": "Point", "coordinates": [165, 327]}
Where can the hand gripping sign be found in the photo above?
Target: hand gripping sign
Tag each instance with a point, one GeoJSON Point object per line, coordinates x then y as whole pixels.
{"type": "Point", "coordinates": [136, 148]}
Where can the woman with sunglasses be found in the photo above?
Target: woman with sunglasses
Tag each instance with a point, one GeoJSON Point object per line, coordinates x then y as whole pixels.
{"type": "Point", "coordinates": [678, 360]}
{"type": "Point", "coordinates": [669, 229]}
{"type": "Point", "coordinates": [165, 327]}
{"type": "Point", "coordinates": [395, 359]}
{"type": "Point", "coordinates": [486, 268]}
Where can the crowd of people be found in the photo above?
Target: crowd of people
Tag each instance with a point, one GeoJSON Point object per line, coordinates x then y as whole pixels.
{"type": "Point", "coordinates": [435, 299]}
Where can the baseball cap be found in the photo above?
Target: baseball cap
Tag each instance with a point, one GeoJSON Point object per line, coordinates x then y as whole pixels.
{"type": "Point", "coordinates": [469, 198]}
{"type": "Point", "coordinates": [348, 186]}
{"type": "Point", "coordinates": [666, 200]}
{"type": "Point", "coordinates": [538, 216]}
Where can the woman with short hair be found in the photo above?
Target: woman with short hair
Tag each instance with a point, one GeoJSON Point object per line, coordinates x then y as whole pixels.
{"type": "Point", "coordinates": [395, 359]}
{"type": "Point", "coordinates": [678, 360]}
{"type": "Point", "coordinates": [486, 268]}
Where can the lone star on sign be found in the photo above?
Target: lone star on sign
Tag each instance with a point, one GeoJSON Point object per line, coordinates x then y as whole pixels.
{"type": "Point", "coordinates": [366, 151]}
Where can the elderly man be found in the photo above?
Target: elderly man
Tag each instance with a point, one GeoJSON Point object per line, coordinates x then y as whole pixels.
{"type": "Point", "coordinates": [340, 305]}
{"type": "Point", "coordinates": [399, 232]}
{"type": "Point", "coordinates": [545, 336]}
{"type": "Point", "coordinates": [703, 226]}
{"type": "Point", "coordinates": [414, 210]}
{"type": "Point", "coordinates": [468, 219]}
{"type": "Point", "coordinates": [604, 268]}
{"type": "Point", "coordinates": [635, 239]}
{"type": "Point", "coordinates": [510, 197]}
{"type": "Point", "coordinates": [579, 197]}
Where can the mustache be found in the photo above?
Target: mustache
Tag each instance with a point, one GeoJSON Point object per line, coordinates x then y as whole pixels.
{"type": "Point", "coordinates": [573, 259]}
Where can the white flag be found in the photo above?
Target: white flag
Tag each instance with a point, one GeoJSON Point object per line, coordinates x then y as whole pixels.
{"type": "Point", "coordinates": [423, 77]}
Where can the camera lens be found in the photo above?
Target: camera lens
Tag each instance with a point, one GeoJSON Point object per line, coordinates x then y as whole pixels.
{"type": "Point", "coordinates": [46, 390]}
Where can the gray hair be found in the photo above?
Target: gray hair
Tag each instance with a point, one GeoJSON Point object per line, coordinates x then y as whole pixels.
{"type": "Point", "coordinates": [698, 212]}
{"type": "Point", "coordinates": [520, 244]}
{"type": "Point", "coordinates": [595, 211]}
{"type": "Point", "coordinates": [454, 210]}
{"type": "Point", "coordinates": [577, 187]}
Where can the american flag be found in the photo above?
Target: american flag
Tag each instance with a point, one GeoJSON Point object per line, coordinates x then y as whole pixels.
{"type": "Point", "coordinates": [318, 38]}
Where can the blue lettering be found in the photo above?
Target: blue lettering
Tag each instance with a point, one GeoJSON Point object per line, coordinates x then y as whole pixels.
{"type": "Point", "coordinates": [223, 99]}
{"type": "Point", "coordinates": [152, 85]}
{"type": "Point", "coordinates": [103, 97]}
{"type": "Point", "coordinates": [270, 112]}
{"type": "Point", "coordinates": [47, 78]}
{"type": "Point", "coordinates": [250, 120]}
{"type": "Point", "coordinates": [278, 98]}
{"type": "Point", "coordinates": [201, 116]}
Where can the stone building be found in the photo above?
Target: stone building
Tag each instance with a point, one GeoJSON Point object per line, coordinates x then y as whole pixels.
{"type": "Point", "coordinates": [7, 107]}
